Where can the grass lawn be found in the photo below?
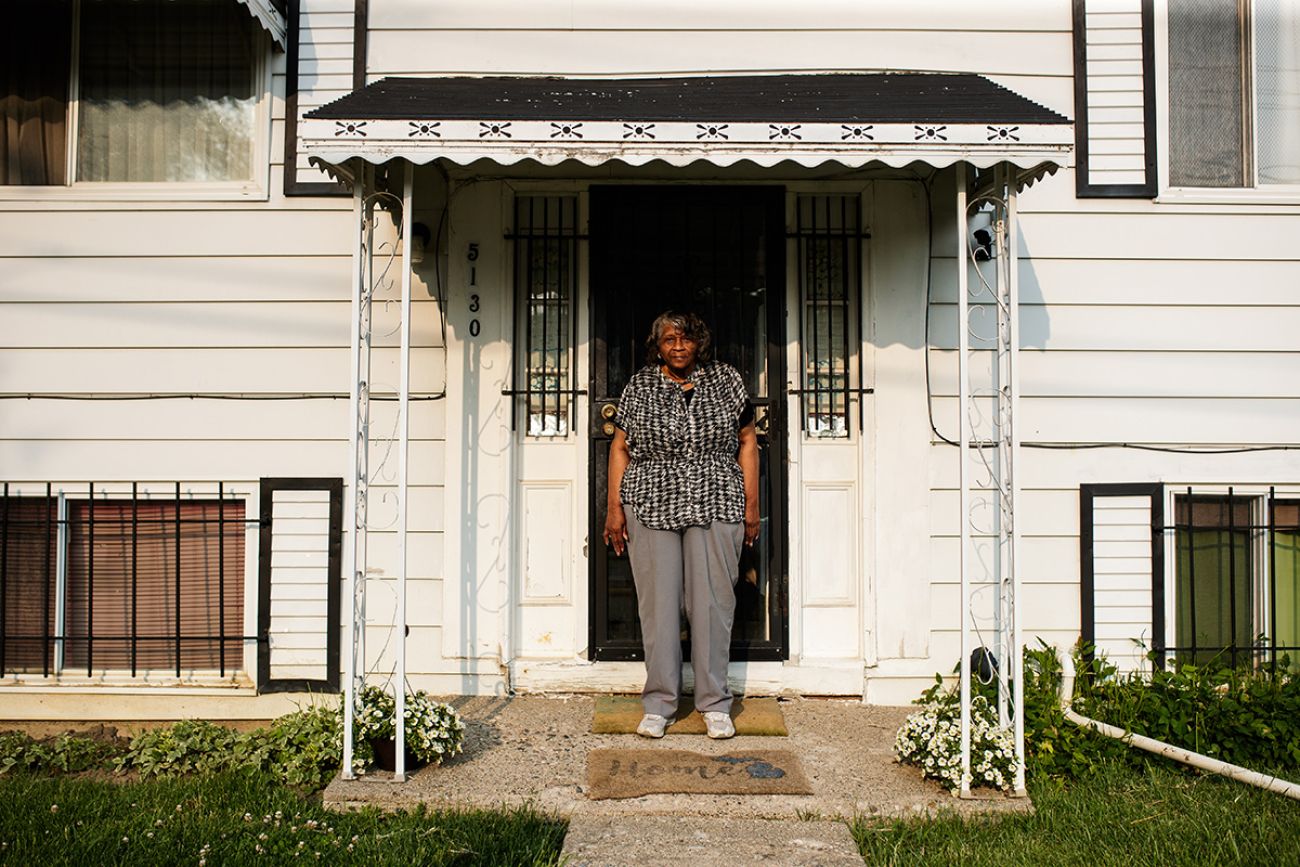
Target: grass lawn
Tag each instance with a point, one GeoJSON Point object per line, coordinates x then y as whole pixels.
{"type": "Point", "coordinates": [246, 819]}
{"type": "Point", "coordinates": [1121, 816]}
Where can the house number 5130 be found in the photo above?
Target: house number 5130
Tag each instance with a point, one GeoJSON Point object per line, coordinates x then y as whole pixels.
{"type": "Point", "coordinates": [472, 255]}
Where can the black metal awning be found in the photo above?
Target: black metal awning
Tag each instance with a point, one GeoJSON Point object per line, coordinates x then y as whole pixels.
{"type": "Point", "coordinates": [851, 118]}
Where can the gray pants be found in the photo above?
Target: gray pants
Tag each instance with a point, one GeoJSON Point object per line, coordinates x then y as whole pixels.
{"type": "Point", "coordinates": [694, 569]}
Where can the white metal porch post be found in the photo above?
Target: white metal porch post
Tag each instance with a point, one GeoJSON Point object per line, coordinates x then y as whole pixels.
{"type": "Point", "coordinates": [358, 470]}
{"type": "Point", "coordinates": [963, 475]}
{"type": "Point", "coordinates": [403, 450]}
{"type": "Point", "coordinates": [1013, 471]}
{"type": "Point", "coordinates": [998, 453]}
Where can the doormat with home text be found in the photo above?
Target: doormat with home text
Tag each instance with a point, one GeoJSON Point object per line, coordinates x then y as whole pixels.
{"type": "Point", "coordinates": [633, 773]}
{"type": "Point", "coordinates": [620, 714]}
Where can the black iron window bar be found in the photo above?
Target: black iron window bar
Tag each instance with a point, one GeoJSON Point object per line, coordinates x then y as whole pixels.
{"type": "Point", "coordinates": [1240, 536]}
{"type": "Point", "coordinates": [48, 528]}
{"type": "Point", "coordinates": [545, 229]}
{"type": "Point", "coordinates": [828, 235]}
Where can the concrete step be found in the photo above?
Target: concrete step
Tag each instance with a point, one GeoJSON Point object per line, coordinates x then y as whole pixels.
{"type": "Point", "coordinates": [679, 841]}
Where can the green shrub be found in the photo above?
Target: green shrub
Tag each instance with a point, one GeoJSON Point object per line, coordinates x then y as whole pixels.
{"type": "Point", "coordinates": [1243, 716]}
{"type": "Point", "coordinates": [184, 747]}
{"type": "Point", "coordinates": [65, 753]}
{"type": "Point", "coordinates": [1056, 748]}
{"type": "Point", "coordinates": [304, 748]}
{"type": "Point", "coordinates": [1247, 717]}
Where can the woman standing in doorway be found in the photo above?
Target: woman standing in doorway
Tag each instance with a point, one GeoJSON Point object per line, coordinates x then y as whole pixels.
{"type": "Point", "coordinates": [683, 496]}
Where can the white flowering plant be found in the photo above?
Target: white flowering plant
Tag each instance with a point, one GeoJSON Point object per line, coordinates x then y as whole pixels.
{"type": "Point", "coordinates": [434, 730]}
{"type": "Point", "coordinates": [931, 740]}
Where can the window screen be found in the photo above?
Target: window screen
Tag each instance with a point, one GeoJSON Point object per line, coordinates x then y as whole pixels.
{"type": "Point", "coordinates": [1206, 123]}
{"type": "Point", "coordinates": [1277, 91]}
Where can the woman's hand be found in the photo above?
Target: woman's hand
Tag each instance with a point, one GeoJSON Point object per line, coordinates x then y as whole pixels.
{"type": "Point", "coordinates": [616, 529]}
{"type": "Point", "coordinates": [748, 458]}
{"type": "Point", "coordinates": [753, 523]}
{"type": "Point", "coordinates": [615, 520]}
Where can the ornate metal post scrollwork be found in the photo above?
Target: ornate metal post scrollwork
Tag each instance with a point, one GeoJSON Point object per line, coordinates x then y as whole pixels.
{"type": "Point", "coordinates": [371, 265]}
{"type": "Point", "coordinates": [989, 397]}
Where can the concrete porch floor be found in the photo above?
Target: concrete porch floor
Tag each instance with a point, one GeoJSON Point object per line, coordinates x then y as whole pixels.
{"type": "Point", "coordinates": [533, 750]}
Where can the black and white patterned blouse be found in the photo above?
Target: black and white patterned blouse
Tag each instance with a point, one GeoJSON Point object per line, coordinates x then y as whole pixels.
{"type": "Point", "coordinates": [684, 470]}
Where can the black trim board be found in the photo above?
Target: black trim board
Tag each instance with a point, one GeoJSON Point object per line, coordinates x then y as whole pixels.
{"type": "Point", "coordinates": [334, 592]}
{"type": "Point", "coordinates": [1087, 579]}
{"type": "Point", "coordinates": [293, 186]}
{"type": "Point", "coordinates": [1083, 188]}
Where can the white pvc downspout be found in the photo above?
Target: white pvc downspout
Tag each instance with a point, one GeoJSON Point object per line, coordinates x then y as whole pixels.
{"type": "Point", "coordinates": [1168, 751]}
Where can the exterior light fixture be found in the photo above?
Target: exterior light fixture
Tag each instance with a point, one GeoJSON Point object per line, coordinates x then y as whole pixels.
{"type": "Point", "coordinates": [420, 236]}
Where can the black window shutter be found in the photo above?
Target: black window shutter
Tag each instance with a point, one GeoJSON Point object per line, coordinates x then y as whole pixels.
{"type": "Point", "coordinates": [1088, 495]}
{"type": "Point", "coordinates": [1091, 182]}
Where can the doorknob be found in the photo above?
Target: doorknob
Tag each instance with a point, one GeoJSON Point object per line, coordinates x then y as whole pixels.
{"type": "Point", "coordinates": [608, 411]}
{"type": "Point", "coordinates": [607, 428]}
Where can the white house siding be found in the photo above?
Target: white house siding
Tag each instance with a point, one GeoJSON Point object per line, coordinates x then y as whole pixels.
{"type": "Point", "coordinates": [1143, 322]}
{"type": "Point", "coordinates": [1128, 333]}
{"type": "Point", "coordinates": [181, 295]}
{"type": "Point", "coordinates": [1155, 323]}
{"type": "Point", "coordinates": [1026, 47]}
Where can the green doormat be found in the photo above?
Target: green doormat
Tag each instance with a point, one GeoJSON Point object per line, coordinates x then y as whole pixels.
{"type": "Point", "coordinates": [619, 714]}
{"type": "Point", "coordinates": [633, 773]}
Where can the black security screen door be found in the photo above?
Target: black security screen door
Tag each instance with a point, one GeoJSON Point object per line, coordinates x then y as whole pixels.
{"type": "Point", "coordinates": [720, 252]}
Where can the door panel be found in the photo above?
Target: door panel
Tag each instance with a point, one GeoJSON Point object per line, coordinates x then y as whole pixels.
{"type": "Point", "coordinates": [719, 252]}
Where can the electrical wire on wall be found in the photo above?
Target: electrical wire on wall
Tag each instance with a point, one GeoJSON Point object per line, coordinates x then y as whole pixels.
{"type": "Point", "coordinates": [926, 184]}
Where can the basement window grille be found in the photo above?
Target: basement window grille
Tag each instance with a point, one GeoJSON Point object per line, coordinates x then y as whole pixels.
{"type": "Point", "coordinates": [828, 234]}
{"type": "Point", "coordinates": [546, 277]}
{"type": "Point", "coordinates": [1236, 579]}
{"type": "Point", "coordinates": [130, 580]}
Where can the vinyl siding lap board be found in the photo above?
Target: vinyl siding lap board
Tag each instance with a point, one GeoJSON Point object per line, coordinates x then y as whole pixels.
{"type": "Point", "coordinates": [1023, 46]}
{"type": "Point", "coordinates": [325, 63]}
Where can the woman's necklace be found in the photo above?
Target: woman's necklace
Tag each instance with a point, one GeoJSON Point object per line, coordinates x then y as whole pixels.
{"type": "Point", "coordinates": [683, 381]}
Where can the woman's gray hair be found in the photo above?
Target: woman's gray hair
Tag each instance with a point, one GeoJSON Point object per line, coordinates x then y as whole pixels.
{"type": "Point", "coordinates": [691, 326]}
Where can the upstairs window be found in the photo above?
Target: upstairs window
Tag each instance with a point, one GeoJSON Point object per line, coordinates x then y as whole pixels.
{"type": "Point", "coordinates": [129, 91]}
{"type": "Point", "coordinates": [1234, 93]}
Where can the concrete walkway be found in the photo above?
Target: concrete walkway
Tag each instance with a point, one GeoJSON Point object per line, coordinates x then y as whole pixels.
{"type": "Point", "coordinates": [532, 750]}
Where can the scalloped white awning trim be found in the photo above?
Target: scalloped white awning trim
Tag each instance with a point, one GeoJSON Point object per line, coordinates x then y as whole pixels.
{"type": "Point", "coordinates": [594, 143]}
{"type": "Point", "coordinates": [270, 19]}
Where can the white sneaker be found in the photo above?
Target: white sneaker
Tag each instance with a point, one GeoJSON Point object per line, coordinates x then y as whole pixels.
{"type": "Point", "coordinates": [652, 726]}
{"type": "Point", "coordinates": [719, 725]}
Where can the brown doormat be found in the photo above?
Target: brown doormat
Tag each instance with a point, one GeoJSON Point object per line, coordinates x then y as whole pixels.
{"type": "Point", "coordinates": [620, 714]}
{"type": "Point", "coordinates": [633, 773]}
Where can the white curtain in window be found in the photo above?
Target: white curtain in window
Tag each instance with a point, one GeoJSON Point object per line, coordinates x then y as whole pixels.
{"type": "Point", "coordinates": [1277, 87]}
{"type": "Point", "coordinates": [166, 91]}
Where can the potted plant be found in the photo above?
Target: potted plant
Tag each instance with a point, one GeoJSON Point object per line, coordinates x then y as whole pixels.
{"type": "Point", "coordinates": [434, 731]}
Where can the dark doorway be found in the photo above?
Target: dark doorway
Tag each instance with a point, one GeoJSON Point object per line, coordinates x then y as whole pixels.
{"type": "Point", "coordinates": [720, 252]}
